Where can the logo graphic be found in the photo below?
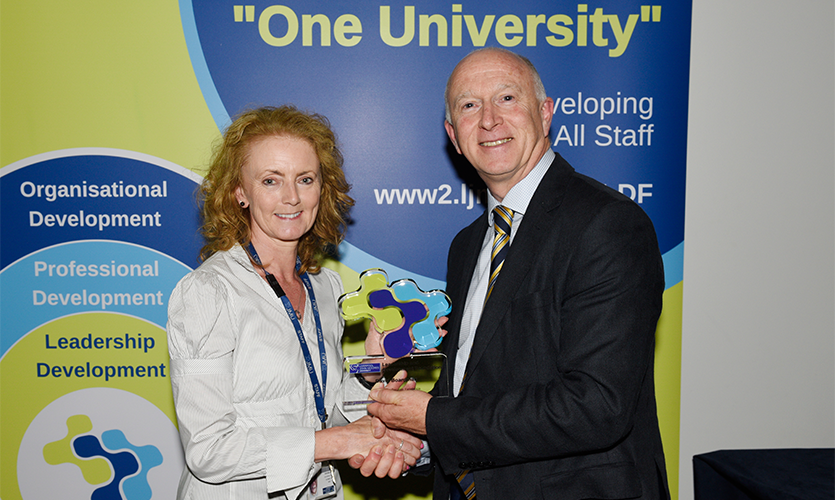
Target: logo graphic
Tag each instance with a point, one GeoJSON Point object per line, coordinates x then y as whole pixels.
{"type": "Point", "coordinates": [100, 444]}
{"type": "Point", "coordinates": [131, 465]}
{"type": "Point", "coordinates": [401, 310]}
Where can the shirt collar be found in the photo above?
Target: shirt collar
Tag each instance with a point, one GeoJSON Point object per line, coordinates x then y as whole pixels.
{"type": "Point", "coordinates": [520, 195]}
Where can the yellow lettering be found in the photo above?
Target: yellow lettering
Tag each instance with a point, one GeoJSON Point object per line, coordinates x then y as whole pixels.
{"type": "Point", "coordinates": [479, 36]}
{"type": "Point", "coordinates": [347, 24]}
{"type": "Point", "coordinates": [292, 25]}
{"type": "Point", "coordinates": [622, 35]}
{"type": "Point", "coordinates": [582, 26]}
{"type": "Point", "coordinates": [509, 25]}
{"type": "Point", "coordinates": [439, 21]}
{"type": "Point", "coordinates": [533, 23]}
{"type": "Point", "coordinates": [558, 25]}
{"type": "Point", "coordinates": [456, 25]}
{"type": "Point", "coordinates": [324, 29]}
{"type": "Point", "coordinates": [408, 26]}
{"type": "Point", "coordinates": [597, 21]}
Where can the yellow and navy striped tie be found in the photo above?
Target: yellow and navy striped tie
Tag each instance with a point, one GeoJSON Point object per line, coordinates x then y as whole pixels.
{"type": "Point", "coordinates": [502, 220]}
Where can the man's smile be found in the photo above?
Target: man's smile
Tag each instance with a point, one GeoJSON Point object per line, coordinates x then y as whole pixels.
{"type": "Point", "coordinates": [496, 143]}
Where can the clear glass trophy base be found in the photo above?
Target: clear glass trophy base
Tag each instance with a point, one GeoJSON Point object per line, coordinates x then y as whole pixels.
{"type": "Point", "coordinates": [424, 367]}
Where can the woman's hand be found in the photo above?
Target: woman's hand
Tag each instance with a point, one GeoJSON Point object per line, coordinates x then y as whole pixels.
{"type": "Point", "coordinates": [387, 461]}
{"type": "Point", "coordinates": [390, 460]}
{"type": "Point", "coordinates": [389, 455]}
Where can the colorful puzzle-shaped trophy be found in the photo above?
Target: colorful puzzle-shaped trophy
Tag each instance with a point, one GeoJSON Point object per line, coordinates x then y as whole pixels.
{"type": "Point", "coordinates": [401, 310]}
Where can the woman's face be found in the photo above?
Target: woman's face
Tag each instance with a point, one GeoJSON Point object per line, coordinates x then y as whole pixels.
{"type": "Point", "coordinates": [281, 184]}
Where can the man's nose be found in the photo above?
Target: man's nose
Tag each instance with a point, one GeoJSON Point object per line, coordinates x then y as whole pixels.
{"type": "Point", "coordinates": [490, 116]}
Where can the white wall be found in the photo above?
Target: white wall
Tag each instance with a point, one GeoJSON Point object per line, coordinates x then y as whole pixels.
{"type": "Point", "coordinates": [758, 362]}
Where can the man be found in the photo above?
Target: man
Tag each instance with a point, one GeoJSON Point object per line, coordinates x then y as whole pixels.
{"type": "Point", "coordinates": [553, 372]}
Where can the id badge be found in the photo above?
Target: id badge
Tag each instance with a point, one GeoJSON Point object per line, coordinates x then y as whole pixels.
{"type": "Point", "coordinates": [323, 485]}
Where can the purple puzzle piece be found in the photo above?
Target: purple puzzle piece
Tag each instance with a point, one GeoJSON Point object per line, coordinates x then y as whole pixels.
{"type": "Point", "coordinates": [398, 343]}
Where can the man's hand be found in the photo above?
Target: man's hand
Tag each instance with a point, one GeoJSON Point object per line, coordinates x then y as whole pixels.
{"type": "Point", "coordinates": [404, 410]}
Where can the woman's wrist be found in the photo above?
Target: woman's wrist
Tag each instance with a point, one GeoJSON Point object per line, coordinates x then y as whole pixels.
{"type": "Point", "coordinates": [325, 442]}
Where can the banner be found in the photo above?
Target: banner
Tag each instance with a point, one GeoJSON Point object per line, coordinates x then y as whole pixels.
{"type": "Point", "coordinates": [109, 122]}
{"type": "Point", "coordinates": [378, 73]}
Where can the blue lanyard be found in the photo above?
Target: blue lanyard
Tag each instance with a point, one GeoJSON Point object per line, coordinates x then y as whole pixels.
{"type": "Point", "coordinates": [318, 390]}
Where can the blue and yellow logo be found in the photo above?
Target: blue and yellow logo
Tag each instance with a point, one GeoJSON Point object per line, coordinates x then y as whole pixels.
{"type": "Point", "coordinates": [124, 468]}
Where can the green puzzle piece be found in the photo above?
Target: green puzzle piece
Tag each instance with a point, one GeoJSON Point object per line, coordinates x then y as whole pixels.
{"type": "Point", "coordinates": [96, 470]}
{"type": "Point", "coordinates": [355, 304]}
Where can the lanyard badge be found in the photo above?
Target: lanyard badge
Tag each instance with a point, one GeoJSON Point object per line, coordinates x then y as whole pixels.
{"type": "Point", "coordinates": [318, 389]}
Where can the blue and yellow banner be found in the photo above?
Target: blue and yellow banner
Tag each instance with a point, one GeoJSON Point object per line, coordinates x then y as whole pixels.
{"type": "Point", "coordinates": [109, 111]}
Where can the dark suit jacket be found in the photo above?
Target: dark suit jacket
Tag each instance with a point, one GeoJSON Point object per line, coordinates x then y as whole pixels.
{"type": "Point", "coordinates": [559, 398]}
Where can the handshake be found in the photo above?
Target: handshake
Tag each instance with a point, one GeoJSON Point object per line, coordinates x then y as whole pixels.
{"type": "Point", "coordinates": [382, 443]}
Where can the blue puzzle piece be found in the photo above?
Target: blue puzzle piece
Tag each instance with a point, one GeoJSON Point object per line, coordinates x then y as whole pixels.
{"type": "Point", "coordinates": [136, 487]}
{"type": "Point", "coordinates": [425, 332]}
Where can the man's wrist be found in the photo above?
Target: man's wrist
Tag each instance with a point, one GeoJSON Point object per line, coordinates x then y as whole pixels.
{"type": "Point", "coordinates": [368, 381]}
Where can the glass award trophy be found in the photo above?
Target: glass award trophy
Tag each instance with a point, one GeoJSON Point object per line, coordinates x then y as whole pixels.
{"type": "Point", "coordinates": [406, 316]}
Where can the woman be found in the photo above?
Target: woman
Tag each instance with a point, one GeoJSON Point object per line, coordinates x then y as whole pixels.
{"type": "Point", "coordinates": [254, 332]}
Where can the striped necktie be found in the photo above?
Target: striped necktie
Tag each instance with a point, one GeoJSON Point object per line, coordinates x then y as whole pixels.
{"type": "Point", "coordinates": [502, 220]}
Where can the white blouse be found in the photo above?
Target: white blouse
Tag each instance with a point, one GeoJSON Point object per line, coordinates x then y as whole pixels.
{"type": "Point", "coordinates": [243, 395]}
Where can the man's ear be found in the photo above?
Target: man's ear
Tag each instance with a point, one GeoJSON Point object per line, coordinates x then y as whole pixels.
{"type": "Point", "coordinates": [450, 131]}
{"type": "Point", "coordinates": [546, 111]}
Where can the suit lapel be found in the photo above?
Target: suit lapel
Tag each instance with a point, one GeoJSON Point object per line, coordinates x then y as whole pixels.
{"type": "Point", "coordinates": [523, 252]}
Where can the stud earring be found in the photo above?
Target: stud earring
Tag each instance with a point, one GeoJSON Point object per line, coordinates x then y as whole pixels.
{"type": "Point", "coordinates": [243, 205]}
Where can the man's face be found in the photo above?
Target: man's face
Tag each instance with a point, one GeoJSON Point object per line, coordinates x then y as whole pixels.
{"type": "Point", "coordinates": [497, 123]}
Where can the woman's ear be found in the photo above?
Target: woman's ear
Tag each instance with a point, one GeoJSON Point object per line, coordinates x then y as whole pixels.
{"type": "Point", "coordinates": [241, 197]}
